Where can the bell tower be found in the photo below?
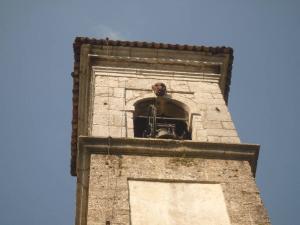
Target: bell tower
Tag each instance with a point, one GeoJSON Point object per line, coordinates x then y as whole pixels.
{"type": "Point", "coordinates": [153, 142]}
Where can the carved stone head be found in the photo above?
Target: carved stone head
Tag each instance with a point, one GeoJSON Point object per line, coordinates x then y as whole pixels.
{"type": "Point", "coordinates": [159, 89]}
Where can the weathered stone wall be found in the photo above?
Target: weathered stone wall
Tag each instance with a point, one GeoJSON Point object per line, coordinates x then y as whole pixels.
{"type": "Point", "coordinates": [108, 198]}
{"type": "Point", "coordinates": [116, 92]}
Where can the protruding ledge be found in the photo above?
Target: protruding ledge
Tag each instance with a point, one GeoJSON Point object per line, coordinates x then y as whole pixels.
{"type": "Point", "coordinates": [169, 148]}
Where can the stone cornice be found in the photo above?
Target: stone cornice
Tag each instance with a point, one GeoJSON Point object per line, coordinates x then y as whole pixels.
{"type": "Point", "coordinates": [170, 148]}
{"type": "Point", "coordinates": [156, 74]}
{"type": "Point", "coordinates": [157, 60]}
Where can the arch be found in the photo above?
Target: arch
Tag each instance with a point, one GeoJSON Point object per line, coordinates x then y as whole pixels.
{"type": "Point", "coordinates": [161, 117]}
{"type": "Point", "coordinates": [189, 104]}
{"type": "Point", "coordinates": [174, 107]}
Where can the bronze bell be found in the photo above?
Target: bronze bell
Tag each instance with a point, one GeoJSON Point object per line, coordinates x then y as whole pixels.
{"type": "Point", "coordinates": [167, 132]}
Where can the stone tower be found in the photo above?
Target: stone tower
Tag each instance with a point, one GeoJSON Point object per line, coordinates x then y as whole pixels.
{"type": "Point", "coordinates": [153, 142]}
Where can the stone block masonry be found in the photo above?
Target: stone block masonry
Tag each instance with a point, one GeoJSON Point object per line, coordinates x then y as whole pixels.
{"type": "Point", "coordinates": [116, 93]}
{"type": "Point", "coordinates": [109, 196]}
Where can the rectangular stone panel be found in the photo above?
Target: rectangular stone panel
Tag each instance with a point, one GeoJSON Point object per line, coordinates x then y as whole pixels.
{"type": "Point", "coordinates": [176, 203]}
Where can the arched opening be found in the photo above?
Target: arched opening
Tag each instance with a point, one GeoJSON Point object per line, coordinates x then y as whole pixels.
{"type": "Point", "coordinates": [161, 118]}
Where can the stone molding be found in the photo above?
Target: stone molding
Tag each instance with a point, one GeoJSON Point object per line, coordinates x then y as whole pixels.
{"type": "Point", "coordinates": [171, 61]}
{"type": "Point", "coordinates": [155, 74]}
{"type": "Point", "coordinates": [170, 148]}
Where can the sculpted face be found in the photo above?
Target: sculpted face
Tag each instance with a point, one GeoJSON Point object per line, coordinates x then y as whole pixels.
{"type": "Point", "coordinates": [159, 89]}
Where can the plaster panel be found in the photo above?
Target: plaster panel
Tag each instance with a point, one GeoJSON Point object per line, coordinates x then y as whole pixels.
{"type": "Point", "coordinates": [174, 203]}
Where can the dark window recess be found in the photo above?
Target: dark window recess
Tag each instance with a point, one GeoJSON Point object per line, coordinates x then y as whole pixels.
{"type": "Point", "coordinates": [161, 118]}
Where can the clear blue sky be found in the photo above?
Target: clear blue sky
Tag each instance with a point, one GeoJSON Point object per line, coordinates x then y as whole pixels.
{"type": "Point", "coordinates": [36, 59]}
